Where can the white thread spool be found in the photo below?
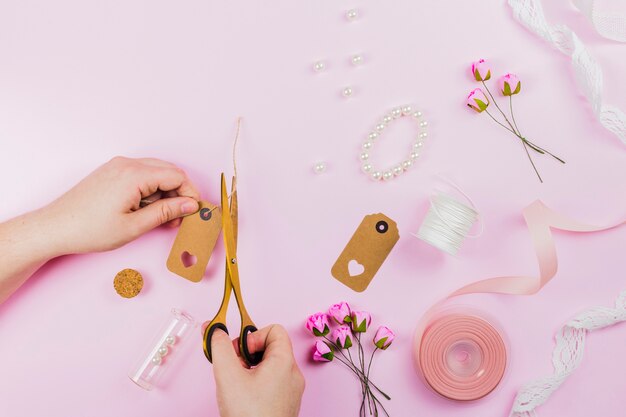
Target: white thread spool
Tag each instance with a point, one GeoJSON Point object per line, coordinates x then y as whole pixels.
{"type": "Point", "coordinates": [448, 222]}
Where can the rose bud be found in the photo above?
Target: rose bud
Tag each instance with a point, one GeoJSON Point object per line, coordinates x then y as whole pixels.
{"type": "Point", "coordinates": [383, 338]}
{"type": "Point", "coordinates": [509, 84]}
{"type": "Point", "coordinates": [360, 321]}
{"type": "Point", "coordinates": [477, 100]}
{"type": "Point", "coordinates": [340, 312]}
{"type": "Point", "coordinates": [322, 352]}
{"type": "Point", "coordinates": [481, 70]}
{"type": "Point", "coordinates": [318, 324]}
{"type": "Point", "coordinates": [342, 336]}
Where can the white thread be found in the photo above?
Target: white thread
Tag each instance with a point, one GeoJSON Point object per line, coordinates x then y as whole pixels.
{"type": "Point", "coordinates": [587, 71]}
{"type": "Point", "coordinates": [567, 355]}
{"type": "Point", "coordinates": [447, 223]}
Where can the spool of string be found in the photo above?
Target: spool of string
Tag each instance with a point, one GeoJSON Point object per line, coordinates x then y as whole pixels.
{"type": "Point", "coordinates": [461, 356]}
{"type": "Point", "coordinates": [448, 222]}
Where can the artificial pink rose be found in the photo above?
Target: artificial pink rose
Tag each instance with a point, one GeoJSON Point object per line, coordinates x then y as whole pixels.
{"type": "Point", "coordinates": [509, 84]}
{"type": "Point", "coordinates": [360, 321]}
{"type": "Point", "coordinates": [477, 100]}
{"type": "Point", "coordinates": [383, 338]}
{"type": "Point", "coordinates": [340, 312]}
{"type": "Point", "coordinates": [481, 70]}
{"type": "Point", "coordinates": [342, 336]}
{"type": "Point", "coordinates": [318, 324]}
{"type": "Point", "coordinates": [322, 352]}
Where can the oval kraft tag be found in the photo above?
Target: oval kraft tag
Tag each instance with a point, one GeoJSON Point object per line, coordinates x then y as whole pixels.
{"type": "Point", "coordinates": [366, 251]}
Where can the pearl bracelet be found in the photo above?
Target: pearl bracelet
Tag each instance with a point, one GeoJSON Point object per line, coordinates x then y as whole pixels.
{"type": "Point", "coordinates": [396, 113]}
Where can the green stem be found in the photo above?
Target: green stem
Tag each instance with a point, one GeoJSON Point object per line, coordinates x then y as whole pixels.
{"type": "Point", "coordinates": [496, 104]}
{"type": "Point", "coordinates": [531, 162]}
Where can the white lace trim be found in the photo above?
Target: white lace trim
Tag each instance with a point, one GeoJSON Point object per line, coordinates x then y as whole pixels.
{"type": "Point", "coordinates": [587, 71]}
{"type": "Point", "coordinates": [567, 355]}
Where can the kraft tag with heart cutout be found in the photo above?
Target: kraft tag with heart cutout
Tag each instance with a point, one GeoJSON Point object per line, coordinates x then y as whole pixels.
{"type": "Point", "coordinates": [366, 251]}
{"type": "Point", "coordinates": [195, 242]}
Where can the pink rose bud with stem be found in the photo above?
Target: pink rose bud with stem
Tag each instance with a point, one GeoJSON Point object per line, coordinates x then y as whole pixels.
{"type": "Point", "coordinates": [383, 338]}
{"type": "Point", "coordinates": [509, 84]}
{"type": "Point", "coordinates": [318, 324]}
{"type": "Point", "coordinates": [360, 321]}
{"type": "Point", "coordinates": [322, 352]}
{"type": "Point", "coordinates": [340, 312]}
{"type": "Point", "coordinates": [342, 336]}
{"type": "Point", "coordinates": [477, 100]}
{"type": "Point", "coordinates": [481, 70]}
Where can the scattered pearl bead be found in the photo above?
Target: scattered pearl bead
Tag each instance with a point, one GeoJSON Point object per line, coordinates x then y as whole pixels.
{"type": "Point", "coordinates": [156, 360]}
{"type": "Point", "coordinates": [367, 145]}
{"type": "Point", "coordinates": [387, 119]}
{"type": "Point", "coordinates": [352, 14]}
{"type": "Point", "coordinates": [347, 92]}
{"type": "Point", "coordinates": [406, 110]}
{"type": "Point", "coordinates": [319, 167]}
{"type": "Point", "coordinates": [170, 340]}
{"type": "Point", "coordinates": [366, 167]}
{"type": "Point", "coordinates": [423, 135]}
{"type": "Point", "coordinates": [423, 123]}
{"type": "Point", "coordinates": [397, 112]}
{"type": "Point", "coordinates": [387, 175]}
{"type": "Point", "coordinates": [407, 164]}
{"type": "Point", "coordinates": [373, 135]}
{"type": "Point", "coordinates": [380, 126]}
{"type": "Point", "coordinates": [364, 156]}
{"type": "Point", "coordinates": [417, 146]}
{"type": "Point", "coordinates": [376, 175]}
{"type": "Point", "coordinates": [417, 114]}
{"type": "Point", "coordinates": [319, 66]}
{"type": "Point", "coordinates": [397, 170]}
{"type": "Point", "coordinates": [163, 350]}
{"type": "Point", "coordinates": [357, 60]}
{"type": "Point", "coordinates": [414, 155]}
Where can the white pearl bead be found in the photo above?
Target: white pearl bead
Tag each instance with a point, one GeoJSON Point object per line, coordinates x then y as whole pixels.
{"type": "Point", "coordinates": [387, 175]}
{"type": "Point", "coordinates": [352, 14]}
{"type": "Point", "coordinates": [407, 164]}
{"type": "Point", "coordinates": [170, 340]}
{"type": "Point", "coordinates": [156, 360]}
{"type": "Point", "coordinates": [417, 114]}
{"type": "Point", "coordinates": [387, 119]}
{"type": "Point", "coordinates": [397, 112]}
{"type": "Point", "coordinates": [373, 135]}
{"type": "Point", "coordinates": [414, 155]}
{"type": "Point", "coordinates": [347, 92]}
{"type": "Point", "coordinates": [364, 156]}
{"type": "Point", "coordinates": [357, 60]}
{"type": "Point", "coordinates": [380, 126]}
{"type": "Point", "coordinates": [376, 175]}
{"type": "Point", "coordinates": [423, 123]}
{"type": "Point", "coordinates": [367, 145]}
{"type": "Point", "coordinates": [417, 146]}
{"type": "Point", "coordinates": [406, 110]}
{"type": "Point", "coordinates": [163, 350]}
{"type": "Point", "coordinates": [319, 66]}
{"type": "Point", "coordinates": [319, 167]}
{"type": "Point", "coordinates": [366, 167]}
{"type": "Point", "coordinates": [397, 170]}
{"type": "Point", "coordinates": [423, 135]}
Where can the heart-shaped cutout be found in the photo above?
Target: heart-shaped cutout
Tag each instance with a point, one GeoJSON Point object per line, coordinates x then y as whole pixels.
{"type": "Point", "coordinates": [355, 268]}
{"type": "Point", "coordinates": [188, 259]}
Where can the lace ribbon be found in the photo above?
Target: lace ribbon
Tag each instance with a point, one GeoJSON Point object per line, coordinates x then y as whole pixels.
{"type": "Point", "coordinates": [587, 71]}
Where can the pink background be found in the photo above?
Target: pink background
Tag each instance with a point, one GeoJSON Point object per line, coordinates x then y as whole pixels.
{"type": "Point", "coordinates": [83, 81]}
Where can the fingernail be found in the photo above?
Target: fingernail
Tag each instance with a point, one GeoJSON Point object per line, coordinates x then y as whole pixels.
{"type": "Point", "coordinates": [189, 207]}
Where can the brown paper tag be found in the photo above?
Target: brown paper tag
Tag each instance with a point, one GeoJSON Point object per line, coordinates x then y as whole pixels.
{"type": "Point", "coordinates": [366, 251]}
{"type": "Point", "coordinates": [195, 241]}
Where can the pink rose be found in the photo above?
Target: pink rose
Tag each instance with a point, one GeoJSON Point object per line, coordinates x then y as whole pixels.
{"type": "Point", "coordinates": [318, 324]}
{"type": "Point", "coordinates": [383, 338]}
{"type": "Point", "coordinates": [481, 70]}
{"type": "Point", "coordinates": [360, 321]}
{"type": "Point", "coordinates": [342, 336]}
{"type": "Point", "coordinates": [322, 352]}
{"type": "Point", "coordinates": [340, 312]}
{"type": "Point", "coordinates": [477, 100]}
{"type": "Point", "coordinates": [509, 84]}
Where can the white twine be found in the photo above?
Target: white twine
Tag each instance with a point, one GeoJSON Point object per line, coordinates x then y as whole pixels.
{"type": "Point", "coordinates": [567, 355]}
{"type": "Point", "coordinates": [587, 71]}
{"type": "Point", "coordinates": [448, 222]}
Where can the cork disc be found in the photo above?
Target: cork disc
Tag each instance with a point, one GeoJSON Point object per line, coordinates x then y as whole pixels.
{"type": "Point", "coordinates": [128, 283]}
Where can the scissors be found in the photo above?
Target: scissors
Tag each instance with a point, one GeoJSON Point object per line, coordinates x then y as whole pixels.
{"type": "Point", "coordinates": [229, 230]}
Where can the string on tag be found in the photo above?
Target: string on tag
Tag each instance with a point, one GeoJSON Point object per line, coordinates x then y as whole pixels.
{"type": "Point", "coordinates": [448, 221]}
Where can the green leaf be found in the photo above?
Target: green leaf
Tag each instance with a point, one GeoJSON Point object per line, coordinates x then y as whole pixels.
{"type": "Point", "coordinates": [482, 106]}
{"type": "Point", "coordinates": [507, 89]}
{"type": "Point", "coordinates": [518, 88]}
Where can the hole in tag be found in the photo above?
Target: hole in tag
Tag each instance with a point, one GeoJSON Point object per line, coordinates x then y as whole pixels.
{"type": "Point", "coordinates": [188, 259]}
{"type": "Point", "coordinates": [355, 268]}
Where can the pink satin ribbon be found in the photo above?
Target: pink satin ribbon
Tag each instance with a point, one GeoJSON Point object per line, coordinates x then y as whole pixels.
{"type": "Point", "coordinates": [539, 220]}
